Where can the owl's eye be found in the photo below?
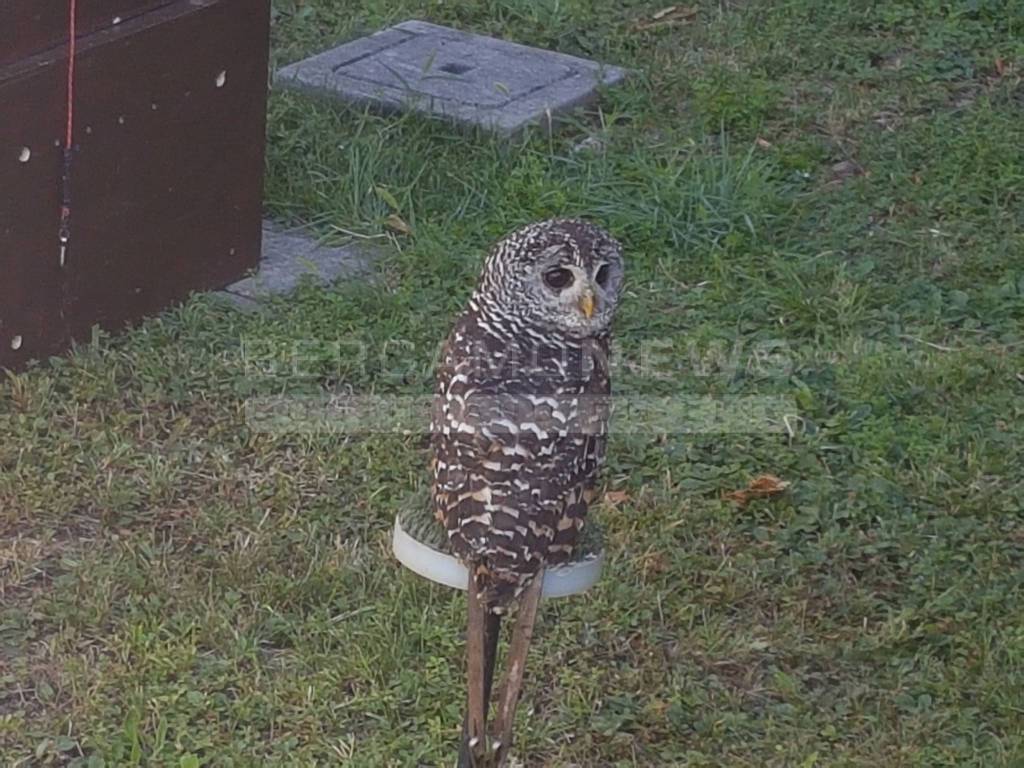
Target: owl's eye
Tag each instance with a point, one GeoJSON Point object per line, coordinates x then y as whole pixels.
{"type": "Point", "coordinates": [558, 278]}
{"type": "Point", "coordinates": [602, 276]}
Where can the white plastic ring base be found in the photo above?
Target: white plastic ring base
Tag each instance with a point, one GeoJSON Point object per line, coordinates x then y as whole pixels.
{"type": "Point", "coordinates": [561, 581]}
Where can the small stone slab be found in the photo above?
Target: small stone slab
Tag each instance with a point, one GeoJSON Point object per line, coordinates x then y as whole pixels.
{"type": "Point", "coordinates": [290, 255]}
{"type": "Point", "coordinates": [474, 80]}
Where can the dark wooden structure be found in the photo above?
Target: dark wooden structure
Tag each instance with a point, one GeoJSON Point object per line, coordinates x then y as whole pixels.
{"type": "Point", "coordinates": [170, 110]}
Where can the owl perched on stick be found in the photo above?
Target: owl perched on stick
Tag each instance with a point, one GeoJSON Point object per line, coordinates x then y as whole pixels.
{"type": "Point", "coordinates": [518, 434]}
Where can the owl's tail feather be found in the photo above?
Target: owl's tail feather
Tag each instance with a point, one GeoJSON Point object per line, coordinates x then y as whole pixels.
{"type": "Point", "coordinates": [482, 631]}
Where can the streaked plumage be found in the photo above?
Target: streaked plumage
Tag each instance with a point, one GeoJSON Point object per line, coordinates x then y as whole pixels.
{"type": "Point", "coordinates": [521, 406]}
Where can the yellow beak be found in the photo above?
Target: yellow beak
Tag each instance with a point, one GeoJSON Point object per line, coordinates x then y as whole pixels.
{"type": "Point", "coordinates": [587, 304]}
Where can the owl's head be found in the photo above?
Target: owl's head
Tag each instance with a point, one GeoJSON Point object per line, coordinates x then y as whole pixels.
{"type": "Point", "coordinates": [564, 274]}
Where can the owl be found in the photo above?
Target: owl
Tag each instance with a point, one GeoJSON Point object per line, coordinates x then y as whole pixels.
{"type": "Point", "coordinates": [519, 426]}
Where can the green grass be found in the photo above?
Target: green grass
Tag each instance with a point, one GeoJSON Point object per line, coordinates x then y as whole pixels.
{"type": "Point", "coordinates": [837, 185]}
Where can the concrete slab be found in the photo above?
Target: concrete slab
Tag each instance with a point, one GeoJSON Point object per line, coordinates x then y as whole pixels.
{"type": "Point", "coordinates": [474, 80]}
{"type": "Point", "coordinates": [238, 302]}
{"type": "Point", "coordinates": [289, 255]}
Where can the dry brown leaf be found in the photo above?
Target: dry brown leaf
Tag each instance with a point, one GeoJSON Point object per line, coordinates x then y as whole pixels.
{"type": "Point", "coordinates": [653, 563]}
{"type": "Point", "coordinates": [1001, 66]}
{"type": "Point", "coordinates": [658, 707]}
{"type": "Point", "coordinates": [669, 16]}
{"type": "Point", "coordinates": [887, 120]}
{"type": "Point", "coordinates": [616, 497]}
{"type": "Point", "coordinates": [841, 171]}
{"type": "Point", "coordinates": [763, 143]}
{"type": "Point", "coordinates": [760, 487]}
{"type": "Point", "coordinates": [846, 168]}
{"type": "Point", "coordinates": [397, 224]}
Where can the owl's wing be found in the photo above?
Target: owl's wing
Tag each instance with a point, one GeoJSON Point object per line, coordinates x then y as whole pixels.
{"type": "Point", "coordinates": [516, 462]}
{"type": "Point", "coordinates": [585, 456]}
{"type": "Point", "coordinates": [598, 389]}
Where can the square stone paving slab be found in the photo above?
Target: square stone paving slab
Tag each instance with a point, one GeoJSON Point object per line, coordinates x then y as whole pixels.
{"type": "Point", "coordinates": [474, 80]}
{"type": "Point", "coordinates": [289, 256]}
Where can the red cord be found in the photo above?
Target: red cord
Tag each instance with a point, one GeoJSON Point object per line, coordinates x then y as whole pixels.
{"type": "Point", "coordinates": [71, 73]}
{"type": "Point", "coordinates": [64, 229]}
